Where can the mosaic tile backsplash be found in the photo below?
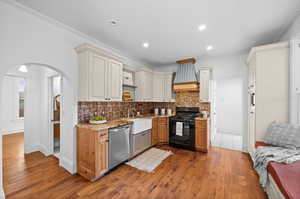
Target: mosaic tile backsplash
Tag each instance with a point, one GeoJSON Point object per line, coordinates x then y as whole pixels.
{"type": "Point", "coordinates": [116, 110]}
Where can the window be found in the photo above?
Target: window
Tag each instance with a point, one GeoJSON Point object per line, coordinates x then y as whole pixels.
{"type": "Point", "coordinates": [20, 97]}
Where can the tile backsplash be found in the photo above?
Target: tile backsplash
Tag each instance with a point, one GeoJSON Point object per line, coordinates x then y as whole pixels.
{"type": "Point", "coordinates": [191, 99]}
{"type": "Point", "coordinates": [116, 110]}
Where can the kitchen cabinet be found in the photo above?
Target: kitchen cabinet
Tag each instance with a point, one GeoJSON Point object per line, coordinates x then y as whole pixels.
{"type": "Point", "coordinates": [92, 153]}
{"type": "Point", "coordinates": [163, 130]}
{"type": "Point", "coordinates": [154, 132]}
{"type": "Point", "coordinates": [100, 75]}
{"type": "Point", "coordinates": [268, 89]}
{"type": "Point", "coordinates": [202, 137]}
{"type": "Point", "coordinates": [158, 87]}
{"type": "Point", "coordinates": [144, 83]}
{"type": "Point", "coordinates": [162, 87]}
{"type": "Point", "coordinates": [294, 98]}
{"type": "Point", "coordinates": [205, 77]}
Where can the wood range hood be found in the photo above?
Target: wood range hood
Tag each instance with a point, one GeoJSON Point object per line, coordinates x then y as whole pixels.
{"type": "Point", "coordinates": [186, 78]}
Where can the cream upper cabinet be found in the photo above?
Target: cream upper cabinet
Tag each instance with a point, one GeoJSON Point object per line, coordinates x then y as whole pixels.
{"type": "Point", "coordinates": [100, 76]}
{"type": "Point", "coordinates": [158, 87]}
{"type": "Point", "coordinates": [114, 80]}
{"type": "Point", "coordinates": [204, 75]}
{"type": "Point", "coordinates": [162, 87]}
{"type": "Point", "coordinates": [168, 88]}
{"type": "Point", "coordinates": [144, 83]}
{"type": "Point", "coordinates": [97, 78]}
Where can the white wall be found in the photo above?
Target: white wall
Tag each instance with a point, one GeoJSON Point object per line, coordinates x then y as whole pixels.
{"type": "Point", "coordinates": [293, 34]}
{"type": "Point", "coordinates": [230, 74]}
{"type": "Point", "coordinates": [27, 37]}
{"type": "Point", "coordinates": [9, 106]}
{"type": "Point", "coordinates": [293, 31]}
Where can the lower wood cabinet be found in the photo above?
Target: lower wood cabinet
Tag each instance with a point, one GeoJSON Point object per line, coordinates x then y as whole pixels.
{"type": "Point", "coordinates": [92, 153]}
{"type": "Point", "coordinates": [202, 138]}
{"type": "Point", "coordinates": [163, 130]}
{"type": "Point", "coordinates": [160, 130]}
{"type": "Point", "coordinates": [154, 132]}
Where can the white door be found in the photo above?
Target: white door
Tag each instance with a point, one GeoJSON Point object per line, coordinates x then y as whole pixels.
{"type": "Point", "coordinates": [114, 81]}
{"type": "Point", "coordinates": [97, 78]}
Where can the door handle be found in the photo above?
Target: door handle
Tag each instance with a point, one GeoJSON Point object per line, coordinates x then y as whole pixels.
{"type": "Point", "coordinates": [252, 99]}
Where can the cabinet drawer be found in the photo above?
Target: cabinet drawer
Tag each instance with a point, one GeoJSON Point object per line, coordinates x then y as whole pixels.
{"type": "Point", "coordinates": [163, 120]}
{"type": "Point", "coordinates": [103, 136]}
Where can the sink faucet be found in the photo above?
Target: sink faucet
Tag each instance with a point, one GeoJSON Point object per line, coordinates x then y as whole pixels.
{"type": "Point", "coordinates": [132, 113]}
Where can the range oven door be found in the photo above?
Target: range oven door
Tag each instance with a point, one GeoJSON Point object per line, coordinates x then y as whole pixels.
{"type": "Point", "coordinates": [185, 135]}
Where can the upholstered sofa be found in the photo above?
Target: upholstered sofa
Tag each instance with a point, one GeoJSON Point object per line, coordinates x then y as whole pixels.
{"type": "Point", "coordinates": [284, 179]}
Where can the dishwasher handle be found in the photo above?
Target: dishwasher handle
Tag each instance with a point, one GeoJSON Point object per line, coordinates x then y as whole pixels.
{"type": "Point", "coordinates": [122, 128]}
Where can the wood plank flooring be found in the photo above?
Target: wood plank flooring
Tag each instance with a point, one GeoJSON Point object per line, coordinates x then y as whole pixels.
{"type": "Point", "coordinates": [220, 174]}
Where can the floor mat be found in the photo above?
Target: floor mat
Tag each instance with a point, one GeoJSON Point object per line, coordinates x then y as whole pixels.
{"type": "Point", "coordinates": [150, 159]}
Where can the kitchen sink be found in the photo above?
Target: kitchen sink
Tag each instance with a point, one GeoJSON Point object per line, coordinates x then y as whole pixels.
{"type": "Point", "coordinates": [140, 125]}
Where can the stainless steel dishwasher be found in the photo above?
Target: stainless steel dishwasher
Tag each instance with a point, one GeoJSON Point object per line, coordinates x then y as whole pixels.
{"type": "Point", "coordinates": [119, 145]}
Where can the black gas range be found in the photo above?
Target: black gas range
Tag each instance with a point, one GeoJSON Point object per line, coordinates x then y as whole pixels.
{"type": "Point", "coordinates": [182, 127]}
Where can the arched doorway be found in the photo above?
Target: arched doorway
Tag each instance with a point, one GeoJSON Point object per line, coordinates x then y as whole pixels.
{"type": "Point", "coordinates": [33, 128]}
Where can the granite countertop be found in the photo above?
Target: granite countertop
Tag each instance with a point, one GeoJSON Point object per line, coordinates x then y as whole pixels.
{"type": "Point", "coordinates": [116, 123]}
{"type": "Point", "coordinates": [202, 118]}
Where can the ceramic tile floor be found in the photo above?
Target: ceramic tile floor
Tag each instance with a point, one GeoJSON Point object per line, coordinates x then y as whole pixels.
{"type": "Point", "coordinates": [228, 141]}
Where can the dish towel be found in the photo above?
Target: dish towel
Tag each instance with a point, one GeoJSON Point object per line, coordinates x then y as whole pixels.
{"type": "Point", "coordinates": [179, 128]}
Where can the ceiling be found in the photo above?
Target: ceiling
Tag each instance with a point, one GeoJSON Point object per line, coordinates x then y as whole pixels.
{"type": "Point", "coordinates": [171, 26]}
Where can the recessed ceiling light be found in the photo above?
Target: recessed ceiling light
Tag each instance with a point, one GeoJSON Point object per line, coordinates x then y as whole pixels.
{"type": "Point", "coordinates": [210, 47]}
{"type": "Point", "coordinates": [23, 69]}
{"type": "Point", "coordinates": [113, 22]}
{"type": "Point", "coordinates": [146, 45]}
{"type": "Point", "coordinates": [202, 27]}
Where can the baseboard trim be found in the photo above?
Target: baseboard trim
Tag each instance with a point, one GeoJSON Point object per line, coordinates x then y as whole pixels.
{"type": "Point", "coordinates": [67, 164]}
{"type": "Point", "coordinates": [2, 195]}
{"type": "Point", "coordinates": [44, 150]}
{"type": "Point", "coordinates": [4, 132]}
{"type": "Point", "coordinates": [31, 149]}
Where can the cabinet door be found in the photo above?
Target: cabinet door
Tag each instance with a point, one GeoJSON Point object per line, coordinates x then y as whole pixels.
{"type": "Point", "coordinates": [158, 88]}
{"type": "Point", "coordinates": [204, 85]}
{"type": "Point", "coordinates": [168, 88]}
{"type": "Point", "coordinates": [148, 86]}
{"type": "Point", "coordinates": [114, 81]}
{"type": "Point", "coordinates": [154, 132]}
{"type": "Point", "coordinates": [86, 153]}
{"type": "Point", "coordinates": [101, 152]}
{"type": "Point", "coordinates": [97, 78]}
{"type": "Point", "coordinates": [140, 83]}
{"type": "Point", "coordinates": [295, 65]}
{"type": "Point", "coordinates": [163, 130]}
{"type": "Point", "coordinates": [202, 135]}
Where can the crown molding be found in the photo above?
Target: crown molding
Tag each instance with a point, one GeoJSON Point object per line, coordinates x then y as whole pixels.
{"type": "Point", "coordinates": [256, 49]}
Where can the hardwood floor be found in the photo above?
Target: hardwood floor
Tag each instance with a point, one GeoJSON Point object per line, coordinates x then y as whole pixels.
{"type": "Point", "coordinates": [220, 174]}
